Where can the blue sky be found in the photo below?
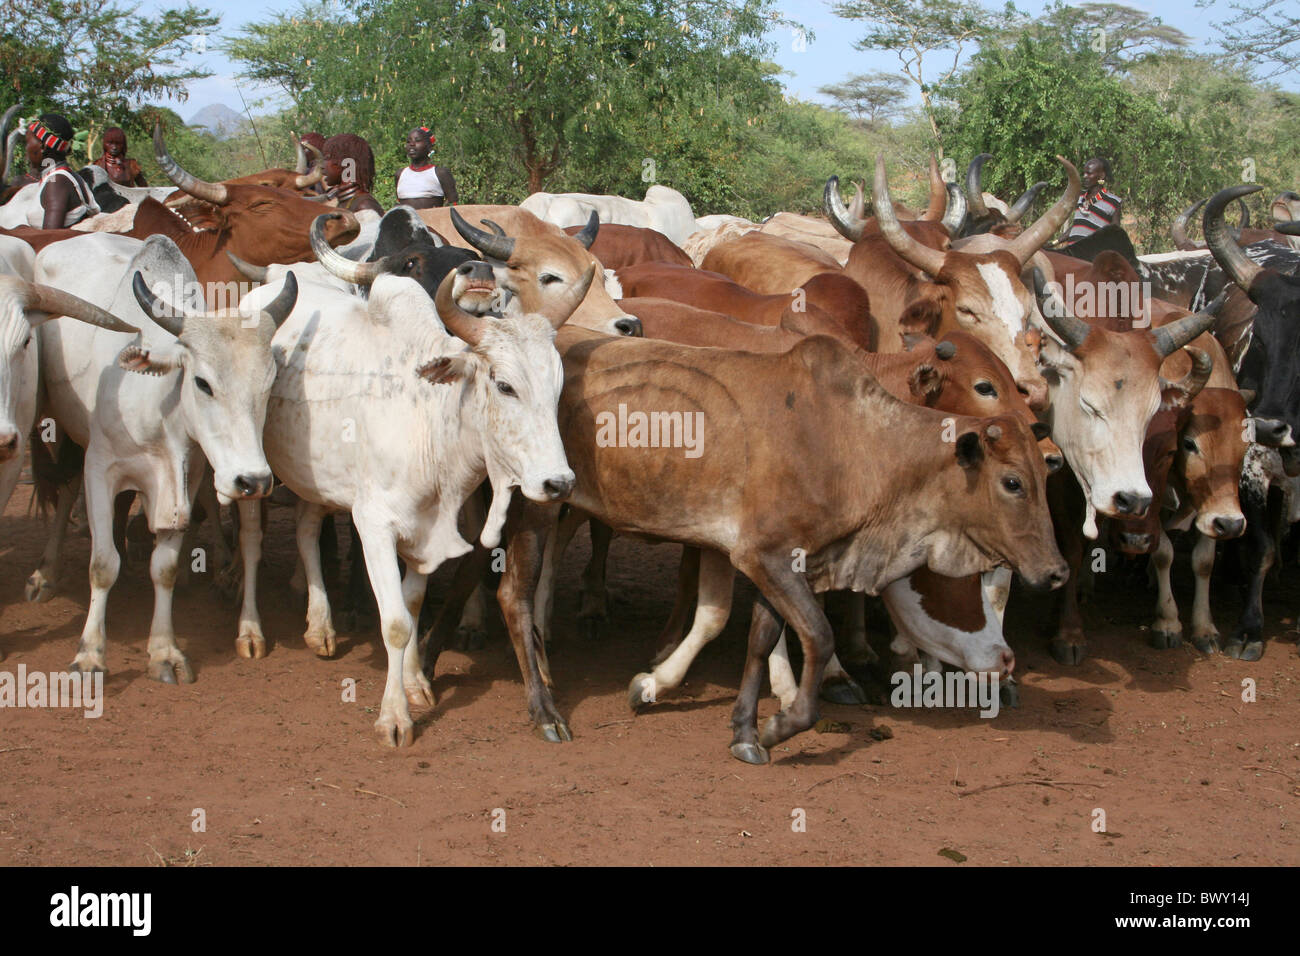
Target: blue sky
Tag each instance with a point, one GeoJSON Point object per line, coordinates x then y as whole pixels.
{"type": "Point", "coordinates": [827, 59]}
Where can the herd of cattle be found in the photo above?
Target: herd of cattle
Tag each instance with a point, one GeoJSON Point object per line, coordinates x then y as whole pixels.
{"type": "Point", "coordinates": [876, 402]}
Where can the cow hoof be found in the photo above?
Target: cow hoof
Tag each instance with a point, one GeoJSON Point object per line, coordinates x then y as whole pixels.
{"type": "Point", "coordinates": [1164, 640]}
{"type": "Point", "coordinates": [86, 667]}
{"type": "Point", "coordinates": [641, 691]}
{"type": "Point", "coordinates": [1068, 652]}
{"type": "Point", "coordinates": [471, 638]}
{"type": "Point", "coordinates": [399, 733]}
{"type": "Point", "coordinates": [1249, 651]}
{"type": "Point", "coordinates": [1206, 643]}
{"type": "Point", "coordinates": [38, 589]}
{"type": "Point", "coordinates": [250, 645]}
{"type": "Point", "coordinates": [843, 689]}
{"type": "Point", "coordinates": [1009, 695]}
{"type": "Point", "coordinates": [556, 732]}
{"type": "Point", "coordinates": [749, 753]}
{"type": "Point", "coordinates": [419, 695]}
{"type": "Point", "coordinates": [171, 672]}
{"type": "Point", "coordinates": [322, 642]}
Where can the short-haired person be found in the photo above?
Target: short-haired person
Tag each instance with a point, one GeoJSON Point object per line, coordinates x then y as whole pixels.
{"type": "Point", "coordinates": [120, 168]}
{"type": "Point", "coordinates": [350, 173]}
{"type": "Point", "coordinates": [1098, 206]}
{"type": "Point", "coordinates": [422, 185]}
{"type": "Point", "coordinates": [65, 197]}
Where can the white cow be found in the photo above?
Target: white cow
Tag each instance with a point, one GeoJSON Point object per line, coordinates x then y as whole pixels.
{"type": "Point", "coordinates": [152, 409]}
{"type": "Point", "coordinates": [378, 411]}
{"type": "Point", "coordinates": [663, 209]}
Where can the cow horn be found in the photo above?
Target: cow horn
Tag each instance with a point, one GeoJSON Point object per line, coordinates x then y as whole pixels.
{"type": "Point", "coordinates": [1225, 249]}
{"type": "Point", "coordinates": [1190, 385]}
{"type": "Point", "coordinates": [841, 219]}
{"type": "Point", "coordinates": [498, 247]}
{"type": "Point", "coordinates": [1287, 228]}
{"type": "Point", "coordinates": [587, 235]}
{"type": "Point", "coordinates": [1057, 315]}
{"type": "Point", "coordinates": [558, 312]}
{"type": "Point", "coordinates": [495, 227]}
{"type": "Point", "coordinates": [44, 298]}
{"type": "Point", "coordinates": [923, 257]}
{"type": "Point", "coordinates": [335, 263]}
{"type": "Point", "coordinates": [5, 148]}
{"type": "Point", "coordinates": [1047, 225]}
{"type": "Point", "coordinates": [1021, 205]}
{"type": "Point", "coordinates": [215, 193]}
{"type": "Point", "coordinates": [1170, 338]}
{"type": "Point", "coordinates": [10, 147]}
{"type": "Point", "coordinates": [858, 204]}
{"type": "Point", "coordinates": [278, 309]}
{"type": "Point", "coordinates": [1245, 214]}
{"type": "Point", "coordinates": [974, 186]}
{"type": "Point", "coordinates": [173, 320]}
{"type": "Point", "coordinates": [300, 155]}
{"type": "Point", "coordinates": [954, 216]}
{"type": "Point", "coordinates": [939, 200]}
{"type": "Point", "coordinates": [247, 269]}
{"type": "Point", "coordinates": [465, 326]}
{"type": "Point", "coordinates": [316, 174]}
{"type": "Point", "coordinates": [1179, 229]}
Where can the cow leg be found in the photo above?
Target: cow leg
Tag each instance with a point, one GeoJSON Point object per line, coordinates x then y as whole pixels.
{"type": "Point", "coordinates": [837, 686]}
{"type": "Point", "coordinates": [528, 524]}
{"type": "Point", "coordinates": [319, 636]}
{"type": "Point", "coordinates": [418, 690]}
{"type": "Point", "coordinates": [853, 640]}
{"type": "Point", "coordinates": [1167, 630]}
{"type": "Point", "coordinates": [469, 573]}
{"type": "Point", "coordinates": [166, 662]}
{"type": "Point", "coordinates": [688, 592]}
{"type": "Point", "coordinates": [394, 726]}
{"type": "Point", "coordinates": [594, 613]}
{"type": "Point", "coordinates": [765, 628]}
{"type": "Point", "coordinates": [716, 581]}
{"type": "Point", "coordinates": [471, 632]}
{"type": "Point", "coordinates": [1204, 634]}
{"type": "Point", "coordinates": [1258, 552]}
{"type": "Point", "coordinates": [1068, 646]}
{"type": "Point", "coordinates": [43, 581]}
{"type": "Point", "coordinates": [557, 542]}
{"type": "Point", "coordinates": [360, 603]}
{"type": "Point", "coordinates": [227, 578]}
{"type": "Point", "coordinates": [250, 643]}
{"type": "Point", "coordinates": [104, 565]}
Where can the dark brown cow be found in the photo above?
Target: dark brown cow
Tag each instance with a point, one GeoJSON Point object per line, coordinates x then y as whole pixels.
{"type": "Point", "coordinates": [617, 246]}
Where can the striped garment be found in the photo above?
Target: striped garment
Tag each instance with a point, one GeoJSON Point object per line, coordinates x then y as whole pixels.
{"type": "Point", "coordinates": [1097, 208]}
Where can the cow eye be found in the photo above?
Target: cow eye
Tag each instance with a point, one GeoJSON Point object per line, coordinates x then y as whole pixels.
{"type": "Point", "coordinates": [202, 385]}
{"type": "Point", "coordinates": [505, 388]}
{"type": "Point", "coordinates": [549, 278]}
{"type": "Point", "coordinates": [27, 341]}
{"type": "Point", "coordinates": [987, 389]}
{"type": "Point", "coordinates": [1189, 444]}
{"type": "Point", "coordinates": [1012, 484]}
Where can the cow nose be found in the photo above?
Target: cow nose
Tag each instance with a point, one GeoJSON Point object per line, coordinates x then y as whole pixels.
{"type": "Point", "coordinates": [474, 269]}
{"type": "Point", "coordinates": [629, 326]}
{"type": "Point", "coordinates": [1055, 462]}
{"type": "Point", "coordinates": [253, 486]}
{"type": "Point", "coordinates": [558, 488]}
{"type": "Point", "coordinates": [1271, 431]}
{"type": "Point", "coordinates": [1131, 503]}
{"type": "Point", "coordinates": [1229, 527]}
{"type": "Point", "coordinates": [1008, 661]}
{"type": "Point", "coordinates": [1058, 577]}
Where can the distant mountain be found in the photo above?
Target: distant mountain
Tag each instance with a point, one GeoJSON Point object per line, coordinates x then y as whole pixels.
{"type": "Point", "coordinates": [220, 120]}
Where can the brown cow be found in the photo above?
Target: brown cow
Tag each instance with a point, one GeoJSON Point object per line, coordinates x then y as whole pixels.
{"type": "Point", "coordinates": [617, 246]}
{"type": "Point", "coordinates": [769, 264]}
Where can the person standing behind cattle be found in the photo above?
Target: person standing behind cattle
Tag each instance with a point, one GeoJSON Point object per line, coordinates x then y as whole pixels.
{"type": "Point", "coordinates": [1098, 207]}
{"type": "Point", "coordinates": [114, 161]}
{"type": "Point", "coordinates": [422, 185]}
{"type": "Point", "coordinates": [65, 197]}
{"type": "Point", "coordinates": [350, 173]}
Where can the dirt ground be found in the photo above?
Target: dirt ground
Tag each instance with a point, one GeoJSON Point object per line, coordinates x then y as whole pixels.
{"type": "Point", "coordinates": [286, 772]}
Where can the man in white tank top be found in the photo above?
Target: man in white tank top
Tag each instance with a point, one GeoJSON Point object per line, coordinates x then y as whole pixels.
{"type": "Point", "coordinates": [422, 185]}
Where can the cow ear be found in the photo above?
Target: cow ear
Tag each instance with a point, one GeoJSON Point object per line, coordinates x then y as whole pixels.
{"type": "Point", "coordinates": [133, 358]}
{"type": "Point", "coordinates": [1040, 430]}
{"type": "Point", "coordinates": [447, 369]}
{"type": "Point", "coordinates": [970, 452]}
{"type": "Point", "coordinates": [925, 382]}
{"type": "Point", "coordinates": [911, 340]}
{"type": "Point", "coordinates": [922, 317]}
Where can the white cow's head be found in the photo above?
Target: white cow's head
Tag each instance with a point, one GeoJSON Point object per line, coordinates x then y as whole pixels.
{"type": "Point", "coordinates": [227, 370]}
{"type": "Point", "coordinates": [24, 305]}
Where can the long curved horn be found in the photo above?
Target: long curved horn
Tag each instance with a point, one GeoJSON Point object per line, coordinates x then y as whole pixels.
{"type": "Point", "coordinates": [1287, 228]}
{"type": "Point", "coordinates": [316, 175]}
{"type": "Point", "coordinates": [587, 235]}
{"type": "Point", "coordinates": [1245, 214]}
{"type": "Point", "coordinates": [47, 299]}
{"type": "Point", "coordinates": [928, 260]}
{"type": "Point", "coordinates": [954, 216]}
{"type": "Point", "coordinates": [974, 186]}
{"type": "Point", "coordinates": [466, 327]}
{"type": "Point", "coordinates": [1170, 338]}
{"type": "Point", "coordinates": [247, 269]}
{"type": "Point", "coordinates": [1179, 229]}
{"type": "Point", "coordinates": [558, 312]}
{"type": "Point", "coordinates": [300, 155]}
{"type": "Point", "coordinates": [940, 201]}
{"type": "Point", "coordinates": [858, 204]}
{"type": "Point", "coordinates": [495, 227]}
{"type": "Point", "coordinates": [498, 247]}
{"type": "Point", "coordinates": [1057, 315]}
{"type": "Point", "coordinates": [836, 212]}
{"type": "Point", "coordinates": [4, 140]}
{"type": "Point", "coordinates": [1225, 249]}
{"type": "Point", "coordinates": [1047, 225]}
{"type": "Point", "coordinates": [10, 147]}
{"type": "Point", "coordinates": [335, 263]}
{"type": "Point", "coordinates": [278, 309]}
{"type": "Point", "coordinates": [1021, 205]}
{"type": "Point", "coordinates": [214, 193]}
{"type": "Point", "coordinates": [1190, 385]}
{"type": "Point", "coordinates": [173, 320]}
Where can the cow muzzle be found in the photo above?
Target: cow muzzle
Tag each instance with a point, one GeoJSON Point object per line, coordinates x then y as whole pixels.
{"type": "Point", "coordinates": [1133, 504]}
{"type": "Point", "coordinates": [249, 486]}
{"type": "Point", "coordinates": [1272, 432]}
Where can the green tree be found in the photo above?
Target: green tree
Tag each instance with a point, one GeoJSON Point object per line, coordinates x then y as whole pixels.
{"type": "Point", "coordinates": [1265, 34]}
{"type": "Point", "coordinates": [871, 98]}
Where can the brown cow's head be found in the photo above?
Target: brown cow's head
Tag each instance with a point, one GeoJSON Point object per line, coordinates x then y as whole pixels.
{"type": "Point", "coordinates": [1211, 450]}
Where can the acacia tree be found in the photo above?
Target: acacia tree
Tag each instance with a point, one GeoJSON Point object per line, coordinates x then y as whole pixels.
{"type": "Point", "coordinates": [868, 97]}
{"type": "Point", "coordinates": [1266, 34]}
